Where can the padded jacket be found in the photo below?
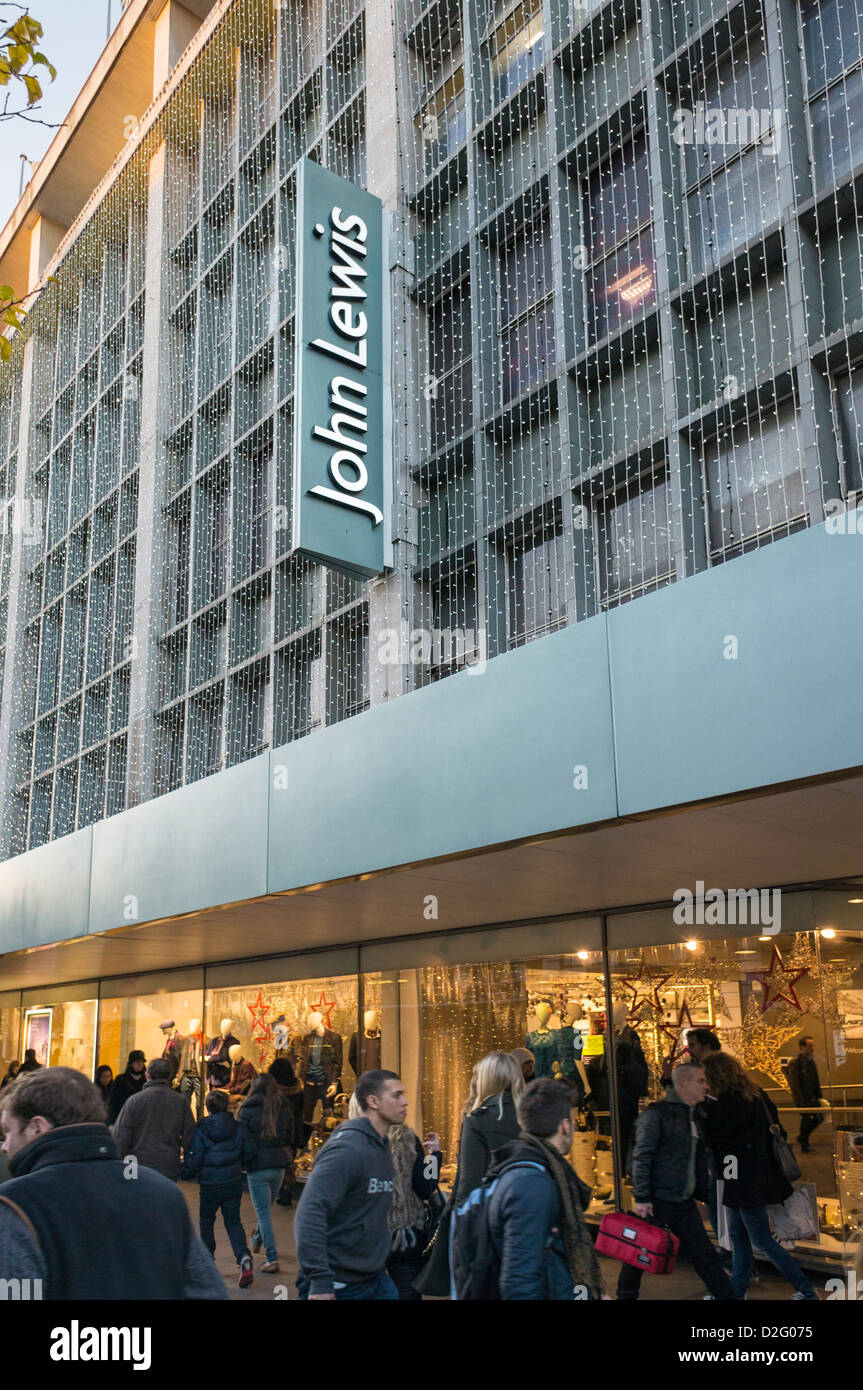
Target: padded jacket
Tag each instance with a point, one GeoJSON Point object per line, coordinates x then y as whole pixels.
{"type": "Point", "coordinates": [270, 1153]}
{"type": "Point", "coordinates": [488, 1128]}
{"type": "Point", "coordinates": [153, 1125]}
{"type": "Point", "coordinates": [525, 1217]}
{"type": "Point", "coordinates": [219, 1152]}
{"type": "Point", "coordinates": [661, 1152]}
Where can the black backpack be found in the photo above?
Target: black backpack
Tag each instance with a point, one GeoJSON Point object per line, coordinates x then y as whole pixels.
{"type": "Point", "coordinates": [474, 1258]}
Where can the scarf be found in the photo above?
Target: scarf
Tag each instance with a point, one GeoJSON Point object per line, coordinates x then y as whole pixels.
{"type": "Point", "coordinates": [580, 1254]}
{"type": "Point", "coordinates": [406, 1210]}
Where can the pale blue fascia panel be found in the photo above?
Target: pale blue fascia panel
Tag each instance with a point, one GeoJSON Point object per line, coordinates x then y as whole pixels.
{"type": "Point", "coordinates": [44, 895]}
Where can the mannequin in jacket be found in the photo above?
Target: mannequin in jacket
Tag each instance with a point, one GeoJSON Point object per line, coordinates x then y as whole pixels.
{"type": "Point", "coordinates": [217, 1055]}
{"type": "Point", "coordinates": [317, 1059]}
{"type": "Point", "coordinates": [243, 1073]}
{"type": "Point", "coordinates": [191, 1054]}
{"type": "Point", "coordinates": [632, 1076]}
{"type": "Point", "coordinates": [543, 1042]}
{"type": "Point", "coordinates": [371, 1044]}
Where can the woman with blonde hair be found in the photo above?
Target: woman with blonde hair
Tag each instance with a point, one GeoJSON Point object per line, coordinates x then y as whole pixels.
{"type": "Point", "coordinates": [490, 1120]}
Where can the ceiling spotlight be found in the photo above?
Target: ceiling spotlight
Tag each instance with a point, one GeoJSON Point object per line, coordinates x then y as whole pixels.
{"type": "Point", "coordinates": [765, 938]}
{"type": "Point", "coordinates": [583, 955]}
{"type": "Point", "coordinates": [828, 932]}
{"type": "Point", "coordinates": [691, 945]}
{"type": "Point", "coordinates": [855, 900]}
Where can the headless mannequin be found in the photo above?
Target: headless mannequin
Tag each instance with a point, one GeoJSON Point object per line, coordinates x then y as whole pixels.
{"type": "Point", "coordinates": [631, 1070]}
{"type": "Point", "coordinates": [191, 1064]}
{"type": "Point", "coordinates": [242, 1072]}
{"type": "Point", "coordinates": [368, 1056]}
{"type": "Point", "coordinates": [543, 1042]}
{"type": "Point", "coordinates": [217, 1055]}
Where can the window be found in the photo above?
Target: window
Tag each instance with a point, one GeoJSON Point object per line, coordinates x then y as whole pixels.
{"type": "Point", "coordinates": [179, 532]}
{"type": "Point", "coordinates": [634, 539]}
{"type": "Point", "coordinates": [294, 717]}
{"type": "Point", "coordinates": [248, 716]}
{"type": "Point", "coordinates": [517, 48]}
{"type": "Point", "coordinates": [537, 588]}
{"type": "Point", "coordinates": [849, 396]}
{"type": "Point", "coordinates": [455, 640]}
{"type": "Point", "coordinates": [621, 277]}
{"type": "Point", "coordinates": [442, 122]}
{"type": "Point", "coordinates": [450, 377]}
{"type": "Point", "coordinates": [347, 665]}
{"type": "Point", "coordinates": [526, 317]}
{"type": "Point", "coordinates": [833, 46]}
{"type": "Point", "coordinates": [756, 481]}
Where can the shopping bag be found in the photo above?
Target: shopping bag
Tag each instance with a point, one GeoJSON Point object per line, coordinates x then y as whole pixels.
{"type": "Point", "coordinates": [797, 1217]}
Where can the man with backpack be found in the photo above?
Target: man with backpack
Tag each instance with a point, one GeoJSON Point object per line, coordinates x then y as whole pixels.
{"type": "Point", "coordinates": [670, 1169]}
{"type": "Point", "coordinates": [521, 1235]}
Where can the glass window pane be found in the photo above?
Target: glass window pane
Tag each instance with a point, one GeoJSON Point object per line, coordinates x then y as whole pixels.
{"type": "Point", "coordinates": [756, 479]}
{"type": "Point", "coordinates": [832, 38]}
{"type": "Point", "coordinates": [837, 130]}
{"type": "Point", "coordinates": [733, 106]}
{"type": "Point", "coordinates": [731, 207]}
{"type": "Point", "coordinates": [635, 540]}
{"type": "Point", "coordinates": [849, 391]}
{"type": "Point", "coordinates": [617, 198]}
{"type": "Point", "coordinates": [538, 588]}
{"type": "Point", "coordinates": [528, 350]}
{"type": "Point", "coordinates": [621, 286]}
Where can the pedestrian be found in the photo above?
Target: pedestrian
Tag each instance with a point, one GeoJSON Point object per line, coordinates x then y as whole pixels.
{"type": "Point", "coordinates": [489, 1119]}
{"type": "Point", "coordinates": [11, 1072]}
{"type": "Point", "coordinates": [156, 1124]}
{"type": "Point", "coordinates": [269, 1121]}
{"type": "Point", "coordinates": [738, 1127]}
{"type": "Point", "coordinates": [30, 1063]}
{"type": "Point", "coordinates": [103, 1081]}
{"type": "Point", "coordinates": [805, 1086]}
{"type": "Point", "coordinates": [416, 1166]}
{"type": "Point", "coordinates": [670, 1170]}
{"type": "Point", "coordinates": [70, 1219]}
{"type": "Point", "coordinates": [220, 1150]}
{"type": "Point", "coordinates": [536, 1211]}
{"type": "Point", "coordinates": [526, 1060]}
{"type": "Point", "coordinates": [290, 1089]}
{"type": "Point", "coordinates": [343, 1239]}
{"type": "Point", "coordinates": [127, 1084]}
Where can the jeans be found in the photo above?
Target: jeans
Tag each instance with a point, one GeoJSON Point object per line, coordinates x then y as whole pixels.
{"type": "Point", "coordinates": [684, 1220]}
{"type": "Point", "coordinates": [808, 1123]}
{"type": "Point", "coordinates": [264, 1189]}
{"type": "Point", "coordinates": [379, 1287]}
{"type": "Point", "coordinates": [190, 1085]}
{"type": "Point", "coordinates": [751, 1226]}
{"type": "Point", "coordinates": [226, 1196]}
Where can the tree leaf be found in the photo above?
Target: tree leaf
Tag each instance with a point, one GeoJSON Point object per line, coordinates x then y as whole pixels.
{"type": "Point", "coordinates": [6, 292]}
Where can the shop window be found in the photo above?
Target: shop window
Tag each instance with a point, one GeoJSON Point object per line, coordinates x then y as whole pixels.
{"type": "Point", "coordinates": [10, 1037]}
{"type": "Point", "coordinates": [617, 211]}
{"type": "Point", "coordinates": [756, 482]}
{"type": "Point", "coordinates": [537, 568]}
{"type": "Point", "coordinates": [517, 47]}
{"type": "Point", "coordinates": [634, 541]}
{"type": "Point", "coordinates": [62, 1034]}
{"type": "Point", "coordinates": [449, 383]}
{"type": "Point", "coordinates": [131, 1022]}
{"type": "Point", "coordinates": [526, 311]}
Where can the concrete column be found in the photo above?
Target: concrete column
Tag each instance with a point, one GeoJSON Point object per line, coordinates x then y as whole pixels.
{"type": "Point", "coordinates": [175, 28]}
{"type": "Point", "coordinates": [149, 555]}
{"type": "Point", "coordinates": [44, 240]}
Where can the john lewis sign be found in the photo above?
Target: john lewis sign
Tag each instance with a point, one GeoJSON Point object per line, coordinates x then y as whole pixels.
{"type": "Point", "coordinates": [339, 495]}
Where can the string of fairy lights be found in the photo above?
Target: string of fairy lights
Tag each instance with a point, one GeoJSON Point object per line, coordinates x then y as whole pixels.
{"type": "Point", "coordinates": [626, 263]}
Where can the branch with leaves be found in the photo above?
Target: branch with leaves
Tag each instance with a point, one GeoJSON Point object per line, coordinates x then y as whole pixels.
{"type": "Point", "coordinates": [21, 62]}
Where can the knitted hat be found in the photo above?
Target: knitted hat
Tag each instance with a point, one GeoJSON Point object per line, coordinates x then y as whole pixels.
{"type": "Point", "coordinates": [282, 1072]}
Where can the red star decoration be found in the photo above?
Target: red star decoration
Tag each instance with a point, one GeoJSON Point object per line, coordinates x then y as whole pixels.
{"type": "Point", "coordinates": [674, 1031]}
{"type": "Point", "coordinates": [259, 1011]}
{"type": "Point", "coordinates": [325, 1008]}
{"type": "Point", "coordinates": [779, 982]}
{"type": "Point", "coordinates": [645, 976]}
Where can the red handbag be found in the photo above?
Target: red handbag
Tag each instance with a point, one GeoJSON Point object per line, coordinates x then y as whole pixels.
{"type": "Point", "coordinates": [624, 1236]}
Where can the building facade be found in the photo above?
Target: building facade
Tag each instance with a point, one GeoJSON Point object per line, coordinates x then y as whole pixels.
{"type": "Point", "coordinates": [611, 658]}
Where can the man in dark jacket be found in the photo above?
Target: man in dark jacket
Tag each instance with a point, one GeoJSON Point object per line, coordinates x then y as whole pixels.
{"type": "Point", "coordinates": [670, 1169]}
{"type": "Point", "coordinates": [30, 1064]}
{"type": "Point", "coordinates": [805, 1086]}
{"type": "Point", "coordinates": [128, 1084]}
{"type": "Point", "coordinates": [536, 1208]}
{"type": "Point", "coordinates": [343, 1239]}
{"type": "Point", "coordinates": [156, 1124]}
{"type": "Point", "coordinates": [217, 1155]}
{"type": "Point", "coordinates": [69, 1218]}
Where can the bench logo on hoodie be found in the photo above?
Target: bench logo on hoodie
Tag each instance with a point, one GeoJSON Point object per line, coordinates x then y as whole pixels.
{"type": "Point", "coordinates": [379, 1185]}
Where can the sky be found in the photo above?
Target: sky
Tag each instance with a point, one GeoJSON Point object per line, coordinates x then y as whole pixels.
{"type": "Point", "coordinates": [75, 34]}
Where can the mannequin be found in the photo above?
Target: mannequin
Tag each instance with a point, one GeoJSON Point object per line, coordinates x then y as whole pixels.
{"type": "Point", "coordinates": [171, 1048]}
{"type": "Point", "coordinates": [632, 1078]}
{"type": "Point", "coordinates": [281, 1035]}
{"type": "Point", "coordinates": [371, 1044]}
{"type": "Point", "coordinates": [217, 1055]}
{"type": "Point", "coordinates": [317, 1059]}
{"type": "Point", "coordinates": [191, 1053]}
{"type": "Point", "coordinates": [242, 1072]}
{"type": "Point", "coordinates": [543, 1043]}
{"type": "Point", "coordinates": [569, 1050]}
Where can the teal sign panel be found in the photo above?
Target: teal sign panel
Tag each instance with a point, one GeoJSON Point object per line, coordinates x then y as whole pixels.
{"type": "Point", "coordinates": [339, 486]}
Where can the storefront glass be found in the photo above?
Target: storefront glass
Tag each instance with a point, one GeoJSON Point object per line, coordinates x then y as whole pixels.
{"type": "Point", "coordinates": [61, 1031]}
{"type": "Point", "coordinates": [132, 1012]}
{"type": "Point", "coordinates": [10, 1034]}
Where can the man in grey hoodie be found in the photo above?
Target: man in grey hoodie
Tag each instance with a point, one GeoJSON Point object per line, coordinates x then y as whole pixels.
{"type": "Point", "coordinates": [343, 1241]}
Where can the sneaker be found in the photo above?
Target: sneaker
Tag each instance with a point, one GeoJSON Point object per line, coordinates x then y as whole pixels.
{"type": "Point", "coordinates": [270, 1267]}
{"type": "Point", "coordinates": [257, 1243]}
{"type": "Point", "coordinates": [247, 1273]}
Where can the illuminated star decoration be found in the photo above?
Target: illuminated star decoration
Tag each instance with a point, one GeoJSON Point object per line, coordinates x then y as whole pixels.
{"type": "Point", "coordinates": [260, 1030]}
{"type": "Point", "coordinates": [644, 1003]}
{"type": "Point", "coordinates": [779, 982]}
{"type": "Point", "coordinates": [674, 1031]}
{"type": "Point", "coordinates": [325, 1008]}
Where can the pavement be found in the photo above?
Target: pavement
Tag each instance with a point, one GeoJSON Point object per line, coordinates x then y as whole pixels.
{"type": "Point", "coordinates": [682, 1285]}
